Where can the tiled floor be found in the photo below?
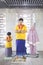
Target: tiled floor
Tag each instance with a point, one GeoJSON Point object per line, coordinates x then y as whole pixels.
{"type": "Point", "coordinates": [29, 60]}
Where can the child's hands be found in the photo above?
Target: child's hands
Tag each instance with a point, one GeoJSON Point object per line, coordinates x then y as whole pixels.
{"type": "Point", "coordinates": [8, 39]}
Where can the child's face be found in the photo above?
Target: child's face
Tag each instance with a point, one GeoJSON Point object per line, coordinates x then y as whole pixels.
{"type": "Point", "coordinates": [9, 35]}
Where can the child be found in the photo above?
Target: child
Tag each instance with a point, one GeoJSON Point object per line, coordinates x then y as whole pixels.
{"type": "Point", "coordinates": [33, 39]}
{"type": "Point", "coordinates": [8, 45]}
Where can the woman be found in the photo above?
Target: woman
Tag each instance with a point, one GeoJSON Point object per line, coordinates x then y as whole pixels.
{"type": "Point", "coordinates": [20, 38]}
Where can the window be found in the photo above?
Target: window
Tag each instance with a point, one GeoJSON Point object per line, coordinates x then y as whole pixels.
{"type": "Point", "coordinates": [2, 28]}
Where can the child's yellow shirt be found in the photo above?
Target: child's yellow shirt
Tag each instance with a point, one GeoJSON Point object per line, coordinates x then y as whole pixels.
{"type": "Point", "coordinates": [8, 44]}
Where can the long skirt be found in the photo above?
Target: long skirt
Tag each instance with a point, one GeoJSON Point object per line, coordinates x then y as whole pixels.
{"type": "Point", "coordinates": [8, 52]}
{"type": "Point", "coordinates": [20, 47]}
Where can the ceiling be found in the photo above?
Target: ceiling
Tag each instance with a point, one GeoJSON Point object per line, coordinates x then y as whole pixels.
{"type": "Point", "coordinates": [21, 3]}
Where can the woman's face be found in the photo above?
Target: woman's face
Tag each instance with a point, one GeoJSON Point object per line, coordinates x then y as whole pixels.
{"type": "Point", "coordinates": [20, 22]}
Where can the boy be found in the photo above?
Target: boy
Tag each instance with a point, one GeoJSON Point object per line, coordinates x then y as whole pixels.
{"type": "Point", "coordinates": [8, 45]}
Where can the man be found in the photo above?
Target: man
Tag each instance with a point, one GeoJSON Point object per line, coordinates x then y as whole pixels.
{"type": "Point", "coordinates": [20, 38]}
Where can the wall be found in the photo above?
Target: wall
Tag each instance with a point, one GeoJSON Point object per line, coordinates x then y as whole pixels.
{"type": "Point", "coordinates": [11, 21]}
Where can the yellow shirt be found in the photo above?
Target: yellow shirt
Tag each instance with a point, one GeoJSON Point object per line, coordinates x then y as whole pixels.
{"type": "Point", "coordinates": [21, 35]}
{"type": "Point", "coordinates": [8, 45]}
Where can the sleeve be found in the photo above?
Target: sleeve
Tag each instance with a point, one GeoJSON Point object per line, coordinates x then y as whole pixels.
{"type": "Point", "coordinates": [16, 28]}
{"type": "Point", "coordinates": [25, 28]}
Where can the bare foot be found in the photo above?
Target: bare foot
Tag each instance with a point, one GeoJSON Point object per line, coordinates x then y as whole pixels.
{"type": "Point", "coordinates": [15, 58]}
{"type": "Point", "coordinates": [24, 58]}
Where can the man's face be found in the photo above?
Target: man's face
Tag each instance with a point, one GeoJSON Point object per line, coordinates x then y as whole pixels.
{"type": "Point", "coordinates": [20, 22]}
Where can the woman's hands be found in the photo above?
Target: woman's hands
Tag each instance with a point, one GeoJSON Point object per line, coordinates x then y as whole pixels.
{"type": "Point", "coordinates": [20, 31]}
